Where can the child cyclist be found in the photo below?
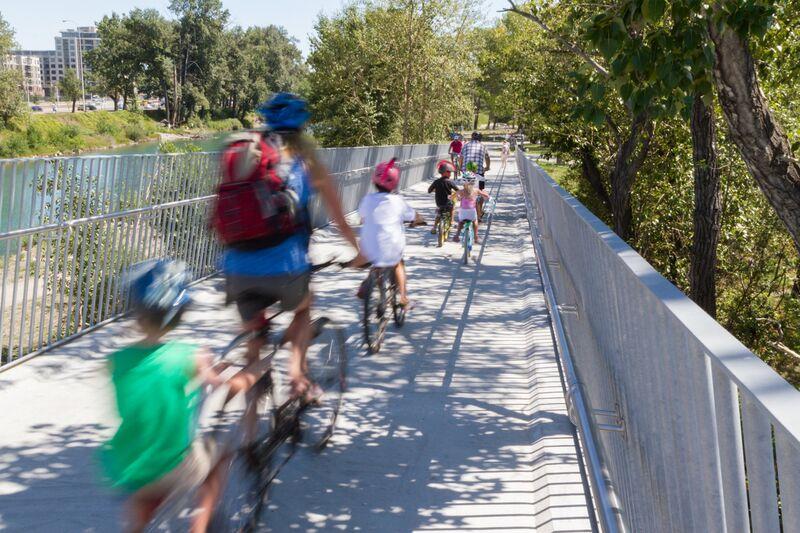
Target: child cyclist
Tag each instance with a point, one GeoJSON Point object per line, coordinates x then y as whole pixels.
{"type": "Point", "coordinates": [468, 197]}
{"type": "Point", "coordinates": [443, 186]}
{"type": "Point", "coordinates": [383, 216]}
{"type": "Point", "coordinates": [155, 451]}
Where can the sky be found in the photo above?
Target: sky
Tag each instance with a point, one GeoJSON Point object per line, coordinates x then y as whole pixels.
{"type": "Point", "coordinates": [35, 29]}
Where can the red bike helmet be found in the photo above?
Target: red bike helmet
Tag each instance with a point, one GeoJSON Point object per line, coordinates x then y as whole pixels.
{"type": "Point", "coordinates": [387, 175]}
{"type": "Point", "coordinates": [444, 166]}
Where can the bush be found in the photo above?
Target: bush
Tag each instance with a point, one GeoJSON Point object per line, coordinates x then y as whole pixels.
{"type": "Point", "coordinates": [169, 147]}
{"type": "Point", "coordinates": [135, 132]}
{"type": "Point", "coordinates": [15, 145]}
{"type": "Point", "coordinates": [70, 131]}
{"type": "Point", "coordinates": [105, 127]}
{"type": "Point", "coordinates": [35, 135]}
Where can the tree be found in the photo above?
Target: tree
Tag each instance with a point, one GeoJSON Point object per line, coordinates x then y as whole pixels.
{"type": "Point", "coordinates": [11, 103]}
{"type": "Point", "coordinates": [754, 127]}
{"type": "Point", "coordinates": [392, 71]}
{"type": "Point", "coordinates": [70, 87]}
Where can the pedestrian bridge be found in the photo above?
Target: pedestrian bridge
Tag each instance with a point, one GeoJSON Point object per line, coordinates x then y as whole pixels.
{"type": "Point", "coordinates": [557, 384]}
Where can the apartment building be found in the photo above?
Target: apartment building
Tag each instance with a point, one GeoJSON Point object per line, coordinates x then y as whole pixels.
{"type": "Point", "coordinates": [71, 48]}
{"type": "Point", "coordinates": [48, 61]}
{"type": "Point", "coordinates": [31, 69]}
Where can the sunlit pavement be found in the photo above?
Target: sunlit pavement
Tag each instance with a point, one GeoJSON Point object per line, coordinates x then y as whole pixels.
{"type": "Point", "coordinates": [458, 424]}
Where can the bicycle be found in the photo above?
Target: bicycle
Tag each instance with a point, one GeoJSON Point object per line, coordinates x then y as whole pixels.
{"type": "Point", "coordinates": [380, 292]}
{"type": "Point", "coordinates": [252, 467]}
{"type": "Point", "coordinates": [467, 240]}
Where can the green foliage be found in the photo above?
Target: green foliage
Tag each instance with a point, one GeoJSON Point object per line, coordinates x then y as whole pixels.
{"type": "Point", "coordinates": [391, 71]}
{"type": "Point", "coordinates": [70, 87]}
{"type": "Point", "coordinates": [11, 102]}
{"type": "Point", "coordinates": [194, 63]}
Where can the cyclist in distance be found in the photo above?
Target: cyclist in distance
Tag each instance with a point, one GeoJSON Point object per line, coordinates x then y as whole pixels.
{"type": "Point", "coordinates": [475, 152]}
{"type": "Point", "coordinates": [443, 186]}
{"type": "Point", "coordinates": [383, 237]}
{"type": "Point", "coordinates": [258, 277]}
{"type": "Point", "coordinates": [455, 152]}
{"type": "Point", "coordinates": [154, 452]}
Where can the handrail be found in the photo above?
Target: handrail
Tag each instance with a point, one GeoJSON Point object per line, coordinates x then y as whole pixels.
{"type": "Point", "coordinates": [607, 506]}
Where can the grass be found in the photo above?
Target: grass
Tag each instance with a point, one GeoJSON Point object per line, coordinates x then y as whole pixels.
{"type": "Point", "coordinates": [557, 172]}
{"type": "Point", "coordinates": [49, 134]}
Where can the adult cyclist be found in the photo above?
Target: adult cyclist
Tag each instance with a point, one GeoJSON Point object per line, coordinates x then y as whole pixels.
{"type": "Point", "coordinates": [258, 278]}
{"type": "Point", "coordinates": [455, 151]}
{"type": "Point", "coordinates": [475, 153]}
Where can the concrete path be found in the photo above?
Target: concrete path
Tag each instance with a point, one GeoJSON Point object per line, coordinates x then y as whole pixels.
{"type": "Point", "coordinates": [458, 424]}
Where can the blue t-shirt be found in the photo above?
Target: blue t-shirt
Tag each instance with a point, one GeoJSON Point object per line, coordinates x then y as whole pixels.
{"type": "Point", "coordinates": [290, 256]}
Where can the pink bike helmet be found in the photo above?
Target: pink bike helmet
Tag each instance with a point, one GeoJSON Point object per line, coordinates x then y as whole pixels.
{"type": "Point", "coordinates": [387, 175]}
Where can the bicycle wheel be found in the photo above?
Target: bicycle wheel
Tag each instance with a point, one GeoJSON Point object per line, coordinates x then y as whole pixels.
{"type": "Point", "coordinates": [375, 319]}
{"type": "Point", "coordinates": [327, 368]}
{"type": "Point", "coordinates": [250, 469]}
{"type": "Point", "coordinates": [466, 239]}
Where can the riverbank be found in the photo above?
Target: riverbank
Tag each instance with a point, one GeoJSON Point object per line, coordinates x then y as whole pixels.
{"type": "Point", "coordinates": [75, 133]}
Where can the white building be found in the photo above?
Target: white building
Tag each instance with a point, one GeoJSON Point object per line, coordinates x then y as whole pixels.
{"type": "Point", "coordinates": [31, 69]}
{"type": "Point", "coordinates": [71, 48]}
{"type": "Point", "coordinates": [48, 61]}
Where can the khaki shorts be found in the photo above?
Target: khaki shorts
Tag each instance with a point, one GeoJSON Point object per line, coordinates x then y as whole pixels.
{"type": "Point", "coordinates": [253, 294]}
{"type": "Point", "coordinates": [203, 456]}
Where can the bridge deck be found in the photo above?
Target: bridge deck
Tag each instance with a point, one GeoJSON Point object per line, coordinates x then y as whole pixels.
{"type": "Point", "coordinates": [458, 424]}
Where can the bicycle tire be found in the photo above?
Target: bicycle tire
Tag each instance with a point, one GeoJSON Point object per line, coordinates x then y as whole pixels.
{"type": "Point", "coordinates": [467, 240]}
{"type": "Point", "coordinates": [374, 312]}
{"type": "Point", "coordinates": [327, 367]}
{"type": "Point", "coordinates": [251, 470]}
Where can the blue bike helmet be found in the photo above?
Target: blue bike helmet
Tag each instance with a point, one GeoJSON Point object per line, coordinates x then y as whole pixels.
{"type": "Point", "coordinates": [285, 112]}
{"type": "Point", "coordinates": [158, 290]}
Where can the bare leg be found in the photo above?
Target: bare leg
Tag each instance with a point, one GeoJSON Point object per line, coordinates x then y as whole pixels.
{"type": "Point", "coordinates": [141, 510]}
{"type": "Point", "coordinates": [299, 335]}
{"type": "Point", "coordinates": [458, 231]}
{"type": "Point", "coordinates": [400, 277]}
{"type": "Point", "coordinates": [475, 231]}
{"type": "Point", "coordinates": [208, 494]}
{"type": "Point", "coordinates": [251, 356]}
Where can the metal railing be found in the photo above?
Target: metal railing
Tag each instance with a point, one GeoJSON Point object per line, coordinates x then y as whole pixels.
{"type": "Point", "coordinates": [698, 433]}
{"type": "Point", "coordinates": [70, 225]}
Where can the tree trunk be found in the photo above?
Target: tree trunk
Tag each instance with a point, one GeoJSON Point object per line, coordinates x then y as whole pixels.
{"type": "Point", "coordinates": [626, 166]}
{"type": "Point", "coordinates": [115, 99]}
{"type": "Point", "coordinates": [592, 175]}
{"type": "Point", "coordinates": [707, 207]}
{"type": "Point", "coordinates": [73, 104]}
{"type": "Point", "coordinates": [477, 114]}
{"type": "Point", "coordinates": [755, 129]}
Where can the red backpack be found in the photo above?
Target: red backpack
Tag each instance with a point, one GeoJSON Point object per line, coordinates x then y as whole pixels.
{"type": "Point", "coordinates": [254, 208]}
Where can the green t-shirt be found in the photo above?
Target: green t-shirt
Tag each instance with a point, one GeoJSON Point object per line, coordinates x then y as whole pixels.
{"type": "Point", "coordinates": [157, 410]}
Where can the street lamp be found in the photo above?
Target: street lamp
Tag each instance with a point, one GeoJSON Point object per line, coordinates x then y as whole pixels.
{"type": "Point", "coordinates": [79, 57]}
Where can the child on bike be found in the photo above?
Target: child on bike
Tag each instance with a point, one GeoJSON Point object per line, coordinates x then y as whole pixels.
{"type": "Point", "coordinates": [443, 186]}
{"type": "Point", "coordinates": [155, 451]}
{"type": "Point", "coordinates": [383, 216]}
{"type": "Point", "coordinates": [468, 197]}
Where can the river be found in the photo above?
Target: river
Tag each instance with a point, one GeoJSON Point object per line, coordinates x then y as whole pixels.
{"type": "Point", "coordinates": [21, 198]}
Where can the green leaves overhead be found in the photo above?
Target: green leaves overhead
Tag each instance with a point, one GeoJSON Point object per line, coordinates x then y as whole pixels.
{"type": "Point", "coordinates": [652, 10]}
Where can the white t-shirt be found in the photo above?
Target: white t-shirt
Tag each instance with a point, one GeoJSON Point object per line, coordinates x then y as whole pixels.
{"type": "Point", "coordinates": [383, 236]}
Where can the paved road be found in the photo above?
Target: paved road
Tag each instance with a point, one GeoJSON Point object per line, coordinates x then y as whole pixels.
{"type": "Point", "coordinates": [458, 424]}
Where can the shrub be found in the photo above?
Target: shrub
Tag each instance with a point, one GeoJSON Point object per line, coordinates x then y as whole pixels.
{"type": "Point", "coordinates": [15, 145]}
{"type": "Point", "coordinates": [135, 132]}
{"type": "Point", "coordinates": [105, 127]}
{"type": "Point", "coordinates": [35, 135]}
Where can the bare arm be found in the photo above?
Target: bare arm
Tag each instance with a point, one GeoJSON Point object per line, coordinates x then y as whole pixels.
{"type": "Point", "coordinates": [323, 183]}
